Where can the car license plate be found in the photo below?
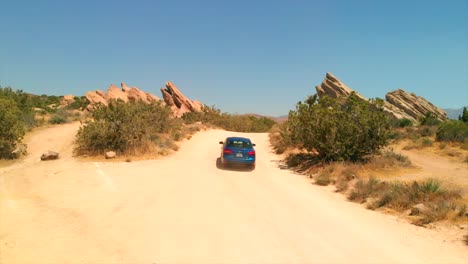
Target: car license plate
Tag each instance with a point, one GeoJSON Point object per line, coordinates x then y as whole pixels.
{"type": "Point", "coordinates": [239, 155]}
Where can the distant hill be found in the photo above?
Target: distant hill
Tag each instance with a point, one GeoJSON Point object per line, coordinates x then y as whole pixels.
{"type": "Point", "coordinates": [454, 113]}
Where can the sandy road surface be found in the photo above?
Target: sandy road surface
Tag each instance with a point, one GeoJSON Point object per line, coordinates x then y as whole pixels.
{"type": "Point", "coordinates": [182, 209]}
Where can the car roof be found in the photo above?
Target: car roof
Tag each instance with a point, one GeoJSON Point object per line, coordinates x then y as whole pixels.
{"type": "Point", "coordinates": [238, 138]}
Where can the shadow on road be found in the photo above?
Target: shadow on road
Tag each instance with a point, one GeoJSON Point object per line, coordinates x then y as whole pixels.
{"type": "Point", "coordinates": [220, 166]}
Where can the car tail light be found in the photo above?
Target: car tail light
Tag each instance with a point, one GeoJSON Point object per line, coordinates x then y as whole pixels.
{"type": "Point", "coordinates": [227, 151]}
{"type": "Point", "coordinates": [251, 153]}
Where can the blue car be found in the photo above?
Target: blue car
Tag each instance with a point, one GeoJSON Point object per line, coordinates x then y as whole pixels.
{"type": "Point", "coordinates": [237, 151]}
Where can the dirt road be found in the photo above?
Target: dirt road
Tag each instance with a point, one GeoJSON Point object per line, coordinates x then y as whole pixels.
{"type": "Point", "coordinates": [182, 209]}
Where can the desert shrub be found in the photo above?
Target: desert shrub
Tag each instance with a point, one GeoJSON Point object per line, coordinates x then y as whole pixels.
{"type": "Point", "coordinates": [12, 128]}
{"type": "Point", "coordinates": [364, 189]}
{"type": "Point", "coordinates": [426, 142]}
{"type": "Point", "coordinates": [79, 104]}
{"type": "Point", "coordinates": [324, 177]}
{"type": "Point", "coordinates": [452, 130]}
{"type": "Point", "coordinates": [402, 196]}
{"type": "Point", "coordinates": [279, 137]}
{"type": "Point", "coordinates": [388, 159]}
{"type": "Point", "coordinates": [403, 122]}
{"type": "Point", "coordinates": [23, 104]}
{"type": "Point", "coordinates": [125, 127]}
{"type": "Point", "coordinates": [238, 123]}
{"type": "Point", "coordinates": [343, 179]}
{"type": "Point", "coordinates": [426, 131]}
{"type": "Point", "coordinates": [61, 116]}
{"type": "Point", "coordinates": [339, 129]}
{"type": "Point", "coordinates": [429, 120]}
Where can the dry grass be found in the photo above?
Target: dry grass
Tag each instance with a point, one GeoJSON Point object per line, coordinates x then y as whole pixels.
{"type": "Point", "coordinates": [441, 203]}
{"type": "Point", "coordinates": [353, 180]}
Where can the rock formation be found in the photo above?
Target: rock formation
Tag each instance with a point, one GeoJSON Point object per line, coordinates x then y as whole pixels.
{"type": "Point", "coordinates": [125, 94]}
{"type": "Point", "coordinates": [398, 104]}
{"type": "Point", "coordinates": [178, 102]}
{"type": "Point", "coordinates": [173, 97]}
{"type": "Point", "coordinates": [333, 87]}
{"type": "Point", "coordinates": [413, 105]}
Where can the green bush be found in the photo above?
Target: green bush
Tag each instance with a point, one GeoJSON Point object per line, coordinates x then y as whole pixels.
{"type": "Point", "coordinates": [452, 130]}
{"type": "Point", "coordinates": [339, 129]}
{"type": "Point", "coordinates": [125, 127]}
{"type": "Point", "coordinates": [464, 116]}
{"type": "Point", "coordinates": [24, 104]}
{"type": "Point", "coordinates": [12, 127]}
{"type": "Point", "coordinates": [79, 104]}
{"type": "Point", "coordinates": [403, 122]}
{"type": "Point", "coordinates": [61, 116]}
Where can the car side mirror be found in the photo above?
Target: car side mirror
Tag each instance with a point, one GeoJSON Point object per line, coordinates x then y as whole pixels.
{"type": "Point", "coordinates": [221, 142]}
{"type": "Point", "coordinates": [253, 145]}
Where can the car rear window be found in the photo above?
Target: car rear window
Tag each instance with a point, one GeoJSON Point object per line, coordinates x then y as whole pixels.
{"type": "Point", "coordinates": [239, 144]}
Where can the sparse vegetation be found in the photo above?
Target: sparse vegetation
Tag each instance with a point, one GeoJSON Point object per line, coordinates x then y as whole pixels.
{"type": "Point", "coordinates": [238, 123]}
{"type": "Point", "coordinates": [402, 196]}
{"type": "Point", "coordinates": [453, 130]}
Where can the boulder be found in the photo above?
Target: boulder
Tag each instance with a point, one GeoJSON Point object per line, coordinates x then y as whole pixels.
{"type": "Point", "coordinates": [399, 104]}
{"type": "Point", "coordinates": [67, 100]}
{"type": "Point", "coordinates": [49, 155]}
{"type": "Point", "coordinates": [419, 209]}
{"type": "Point", "coordinates": [110, 155]}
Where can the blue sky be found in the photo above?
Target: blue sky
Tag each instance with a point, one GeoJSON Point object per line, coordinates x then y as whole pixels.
{"type": "Point", "coordinates": [242, 56]}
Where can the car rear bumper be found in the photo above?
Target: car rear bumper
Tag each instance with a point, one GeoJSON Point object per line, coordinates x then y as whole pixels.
{"type": "Point", "coordinates": [233, 160]}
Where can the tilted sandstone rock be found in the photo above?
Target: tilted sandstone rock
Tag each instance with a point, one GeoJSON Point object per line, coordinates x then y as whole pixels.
{"type": "Point", "coordinates": [178, 102]}
{"type": "Point", "coordinates": [333, 87]}
{"type": "Point", "coordinates": [413, 105]}
{"type": "Point", "coordinates": [94, 98]}
{"type": "Point", "coordinates": [399, 104]}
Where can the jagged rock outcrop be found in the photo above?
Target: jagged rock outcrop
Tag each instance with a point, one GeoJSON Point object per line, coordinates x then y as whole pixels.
{"type": "Point", "coordinates": [333, 87]}
{"type": "Point", "coordinates": [398, 104]}
{"type": "Point", "coordinates": [413, 105]}
{"type": "Point", "coordinates": [125, 93]}
{"type": "Point", "coordinates": [178, 102]}
{"type": "Point", "coordinates": [94, 98]}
